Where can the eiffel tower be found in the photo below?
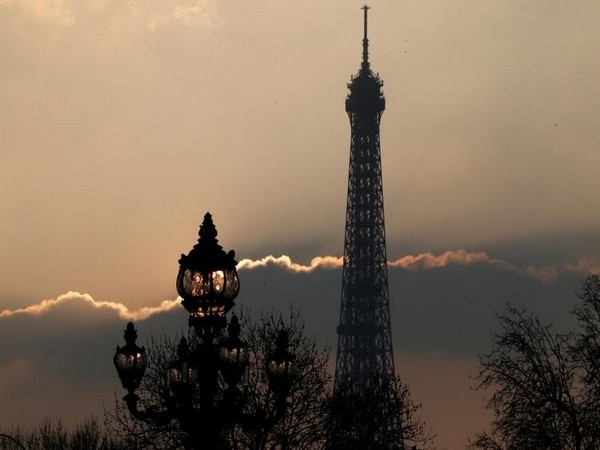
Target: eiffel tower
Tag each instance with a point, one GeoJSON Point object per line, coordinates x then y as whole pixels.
{"type": "Point", "coordinates": [364, 351]}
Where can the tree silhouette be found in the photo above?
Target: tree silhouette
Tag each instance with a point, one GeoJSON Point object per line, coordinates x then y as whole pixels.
{"type": "Point", "coordinates": [388, 418]}
{"type": "Point", "coordinates": [302, 425]}
{"type": "Point", "coordinates": [53, 435]}
{"type": "Point", "coordinates": [545, 385]}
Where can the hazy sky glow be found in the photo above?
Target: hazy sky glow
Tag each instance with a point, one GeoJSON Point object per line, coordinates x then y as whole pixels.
{"type": "Point", "coordinates": [122, 123]}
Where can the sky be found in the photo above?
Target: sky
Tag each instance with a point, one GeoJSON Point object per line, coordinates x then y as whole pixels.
{"type": "Point", "coordinates": [123, 122]}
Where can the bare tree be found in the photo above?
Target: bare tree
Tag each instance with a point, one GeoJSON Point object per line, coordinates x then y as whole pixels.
{"type": "Point", "coordinates": [302, 424]}
{"type": "Point", "coordinates": [586, 352]}
{"type": "Point", "coordinates": [53, 435]}
{"type": "Point", "coordinates": [388, 418]}
{"type": "Point", "coordinates": [545, 385]}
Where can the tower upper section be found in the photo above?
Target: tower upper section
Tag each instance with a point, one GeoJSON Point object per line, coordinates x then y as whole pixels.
{"type": "Point", "coordinates": [365, 94]}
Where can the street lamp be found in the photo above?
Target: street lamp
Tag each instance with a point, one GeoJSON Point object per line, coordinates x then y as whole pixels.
{"type": "Point", "coordinates": [202, 389]}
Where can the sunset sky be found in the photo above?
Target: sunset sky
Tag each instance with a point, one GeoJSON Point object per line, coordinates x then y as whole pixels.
{"type": "Point", "coordinates": [123, 122]}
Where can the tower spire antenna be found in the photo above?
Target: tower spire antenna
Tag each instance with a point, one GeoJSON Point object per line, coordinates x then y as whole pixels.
{"type": "Point", "coordinates": [365, 60]}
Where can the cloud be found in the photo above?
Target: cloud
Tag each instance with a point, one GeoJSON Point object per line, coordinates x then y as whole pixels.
{"type": "Point", "coordinates": [411, 262]}
{"type": "Point", "coordinates": [440, 304]}
{"type": "Point", "coordinates": [31, 391]}
{"type": "Point", "coordinates": [16, 373]}
{"type": "Point", "coordinates": [58, 12]}
{"type": "Point", "coordinates": [426, 261]}
{"type": "Point", "coordinates": [123, 312]}
{"type": "Point", "coordinates": [200, 12]}
{"type": "Point", "coordinates": [414, 263]}
{"type": "Point", "coordinates": [460, 257]}
{"type": "Point", "coordinates": [66, 13]}
{"type": "Point", "coordinates": [284, 261]}
{"type": "Point", "coordinates": [585, 265]}
{"type": "Point", "coordinates": [464, 258]}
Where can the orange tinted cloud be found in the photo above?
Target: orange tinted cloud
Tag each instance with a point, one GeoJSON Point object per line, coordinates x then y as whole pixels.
{"type": "Point", "coordinates": [464, 258]}
{"type": "Point", "coordinates": [585, 265]}
{"type": "Point", "coordinates": [319, 262]}
{"type": "Point", "coordinates": [410, 262]}
{"type": "Point", "coordinates": [456, 257]}
{"type": "Point", "coordinates": [426, 261]}
{"type": "Point", "coordinates": [123, 312]}
{"type": "Point", "coordinates": [422, 261]}
{"type": "Point", "coordinates": [58, 12]}
{"type": "Point", "coordinates": [201, 12]}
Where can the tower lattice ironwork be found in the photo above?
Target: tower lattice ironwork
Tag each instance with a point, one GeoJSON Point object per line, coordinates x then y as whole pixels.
{"type": "Point", "coordinates": [364, 352]}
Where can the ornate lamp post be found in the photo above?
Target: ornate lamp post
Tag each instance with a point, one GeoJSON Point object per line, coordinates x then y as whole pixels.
{"type": "Point", "coordinates": [202, 389]}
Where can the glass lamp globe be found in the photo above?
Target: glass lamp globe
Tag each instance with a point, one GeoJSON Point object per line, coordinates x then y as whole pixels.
{"type": "Point", "coordinates": [207, 280]}
{"type": "Point", "coordinates": [280, 365]}
{"type": "Point", "coordinates": [233, 353]}
{"type": "Point", "coordinates": [130, 360]}
{"type": "Point", "coordinates": [182, 373]}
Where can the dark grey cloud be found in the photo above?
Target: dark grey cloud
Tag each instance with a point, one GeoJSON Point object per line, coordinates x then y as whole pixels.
{"type": "Point", "coordinates": [60, 362]}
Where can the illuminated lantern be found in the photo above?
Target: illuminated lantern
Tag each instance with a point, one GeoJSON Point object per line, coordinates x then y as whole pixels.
{"type": "Point", "coordinates": [207, 280]}
{"type": "Point", "coordinates": [130, 360]}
